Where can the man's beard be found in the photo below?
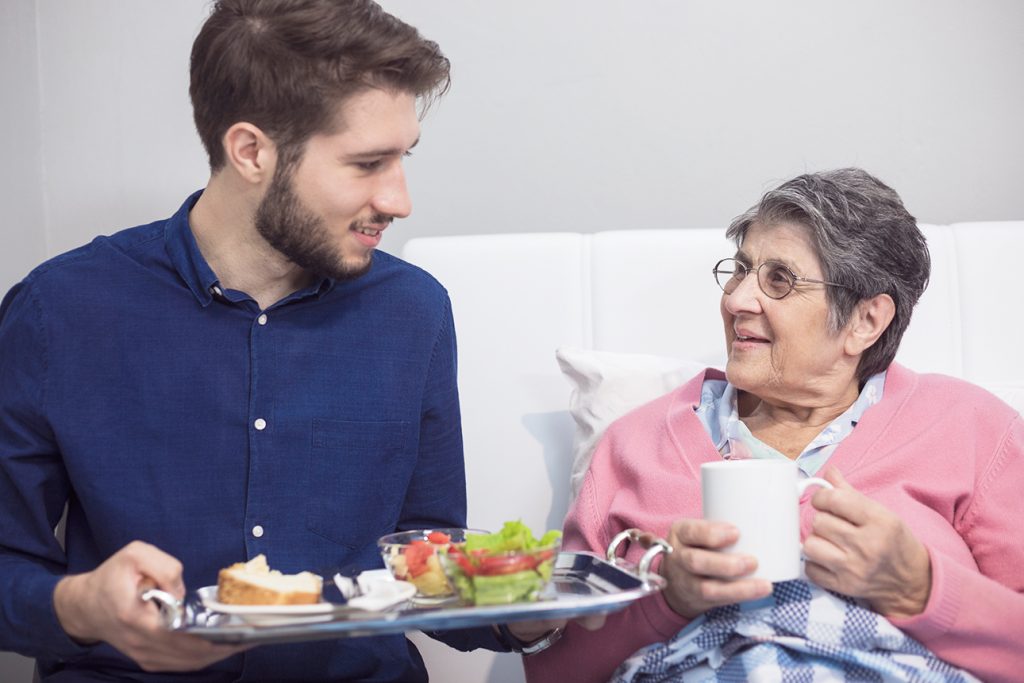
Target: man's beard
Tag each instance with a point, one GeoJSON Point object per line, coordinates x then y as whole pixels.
{"type": "Point", "coordinates": [302, 236]}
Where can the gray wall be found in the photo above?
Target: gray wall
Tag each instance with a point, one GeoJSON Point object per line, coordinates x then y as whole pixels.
{"type": "Point", "coordinates": [564, 115]}
{"type": "Point", "coordinates": [23, 227]}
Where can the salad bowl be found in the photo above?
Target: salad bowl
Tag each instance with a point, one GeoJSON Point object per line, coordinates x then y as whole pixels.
{"type": "Point", "coordinates": [415, 556]}
{"type": "Point", "coordinates": [508, 567]}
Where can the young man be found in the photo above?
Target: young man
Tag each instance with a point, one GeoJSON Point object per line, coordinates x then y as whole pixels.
{"type": "Point", "coordinates": [247, 376]}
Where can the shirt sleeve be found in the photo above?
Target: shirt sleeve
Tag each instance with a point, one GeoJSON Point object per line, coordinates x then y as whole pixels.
{"type": "Point", "coordinates": [436, 495]}
{"type": "Point", "coordinates": [974, 618]}
{"type": "Point", "coordinates": [34, 487]}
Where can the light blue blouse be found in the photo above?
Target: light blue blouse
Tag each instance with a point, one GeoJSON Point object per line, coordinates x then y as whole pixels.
{"type": "Point", "coordinates": [719, 413]}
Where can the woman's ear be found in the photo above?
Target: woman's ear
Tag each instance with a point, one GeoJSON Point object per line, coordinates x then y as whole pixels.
{"type": "Point", "coordinates": [870, 319]}
{"type": "Point", "coordinates": [249, 151]}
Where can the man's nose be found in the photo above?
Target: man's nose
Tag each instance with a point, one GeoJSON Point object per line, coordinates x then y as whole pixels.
{"type": "Point", "coordinates": [392, 197]}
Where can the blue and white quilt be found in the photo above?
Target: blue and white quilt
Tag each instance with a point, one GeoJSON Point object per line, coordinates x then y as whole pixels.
{"type": "Point", "coordinates": [800, 634]}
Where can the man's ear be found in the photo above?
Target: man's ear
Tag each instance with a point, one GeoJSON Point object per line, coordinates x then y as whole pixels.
{"type": "Point", "coordinates": [870, 319]}
{"type": "Point", "coordinates": [249, 151]}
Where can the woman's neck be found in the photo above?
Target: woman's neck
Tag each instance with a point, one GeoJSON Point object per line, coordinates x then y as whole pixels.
{"type": "Point", "coordinates": [789, 426]}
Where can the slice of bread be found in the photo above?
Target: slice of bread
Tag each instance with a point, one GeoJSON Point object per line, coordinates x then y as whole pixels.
{"type": "Point", "coordinates": [255, 583]}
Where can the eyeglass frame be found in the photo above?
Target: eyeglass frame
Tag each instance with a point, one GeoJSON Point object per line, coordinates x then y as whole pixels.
{"type": "Point", "coordinates": [757, 276]}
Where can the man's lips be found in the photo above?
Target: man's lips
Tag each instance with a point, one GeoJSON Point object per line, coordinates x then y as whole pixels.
{"type": "Point", "coordinates": [370, 230]}
{"type": "Point", "coordinates": [369, 233]}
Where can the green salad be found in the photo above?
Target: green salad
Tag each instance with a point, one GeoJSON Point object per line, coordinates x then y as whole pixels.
{"type": "Point", "coordinates": [509, 566]}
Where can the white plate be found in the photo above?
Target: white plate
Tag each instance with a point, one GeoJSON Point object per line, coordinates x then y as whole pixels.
{"type": "Point", "coordinates": [379, 591]}
{"type": "Point", "coordinates": [208, 594]}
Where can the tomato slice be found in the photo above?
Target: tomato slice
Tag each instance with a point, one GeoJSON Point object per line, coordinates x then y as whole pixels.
{"type": "Point", "coordinates": [467, 567]}
{"type": "Point", "coordinates": [505, 564]}
{"type": "Point", "coordinates": [416, 555]}
{"type": "Point", "coordinates": [439, 538]}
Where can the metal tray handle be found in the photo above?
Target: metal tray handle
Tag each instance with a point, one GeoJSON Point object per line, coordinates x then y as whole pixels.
{"type": "Point", "coordinates": [172, 610]}
{"type": "Point", "coordinates": [658, 546]}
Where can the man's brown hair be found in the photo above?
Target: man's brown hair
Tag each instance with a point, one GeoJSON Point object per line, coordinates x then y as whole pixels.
{"type": "Point", "coordinates": [285, 66]}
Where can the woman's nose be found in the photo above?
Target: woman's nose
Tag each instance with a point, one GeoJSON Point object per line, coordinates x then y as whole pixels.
{"type": "Point", "coordinates": [746, 297]}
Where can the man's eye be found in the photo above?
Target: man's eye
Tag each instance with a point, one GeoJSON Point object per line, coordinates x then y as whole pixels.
{"type": "Point", "coordinates": [369, 165]}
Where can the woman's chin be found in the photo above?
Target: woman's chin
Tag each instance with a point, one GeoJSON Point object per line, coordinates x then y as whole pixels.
{"type": "Point", "coordinates": [742, 376]}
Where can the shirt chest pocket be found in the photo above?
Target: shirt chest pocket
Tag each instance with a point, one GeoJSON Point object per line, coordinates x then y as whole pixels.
{"type": "Point", "coordinates": [357, 475]}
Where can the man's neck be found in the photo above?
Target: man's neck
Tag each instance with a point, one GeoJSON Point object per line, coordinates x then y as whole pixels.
{"type": "Point", "coordinates": [223, 224]}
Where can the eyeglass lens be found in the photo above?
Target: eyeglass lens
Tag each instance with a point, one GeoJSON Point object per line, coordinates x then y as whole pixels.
{"type": "Point", "coordinates": [774, 279]}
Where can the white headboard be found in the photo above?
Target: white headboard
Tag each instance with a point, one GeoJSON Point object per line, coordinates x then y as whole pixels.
{"type": "Point", "coordinates": [516, 298]}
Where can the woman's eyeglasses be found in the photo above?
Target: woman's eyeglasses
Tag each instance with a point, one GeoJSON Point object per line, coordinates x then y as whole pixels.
{"type": "Point", "coordinates": [775, 279]}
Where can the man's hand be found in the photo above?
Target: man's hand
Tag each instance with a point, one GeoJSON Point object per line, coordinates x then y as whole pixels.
{"type": "Point", "coordinates": [861, 549]}
{"type": "Point", "coordinates": [529, 631]}
{"type": "Point", "coordinates": [104, 605]}
{"type": "Point", "coordinates": [700, 576]}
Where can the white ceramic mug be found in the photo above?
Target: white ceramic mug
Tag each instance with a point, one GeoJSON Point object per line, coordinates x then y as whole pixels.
{"type": "Point", "coordinates": [761, 498]}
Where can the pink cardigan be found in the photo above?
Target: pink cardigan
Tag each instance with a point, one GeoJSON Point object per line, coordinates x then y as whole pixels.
{"type": "Point", "coordinates": [944, 455]}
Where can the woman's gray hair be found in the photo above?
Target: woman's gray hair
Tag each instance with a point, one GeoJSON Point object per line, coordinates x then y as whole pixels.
{"type": "Point", "coordinates": [865, 239]}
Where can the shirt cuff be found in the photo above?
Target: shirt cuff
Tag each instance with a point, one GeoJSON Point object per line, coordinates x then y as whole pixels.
{"type": "Point", "coordinates": [46, 629]}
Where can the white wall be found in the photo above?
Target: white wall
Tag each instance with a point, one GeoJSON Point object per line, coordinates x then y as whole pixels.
{"type": "Point", "coordinates": [564, 114]}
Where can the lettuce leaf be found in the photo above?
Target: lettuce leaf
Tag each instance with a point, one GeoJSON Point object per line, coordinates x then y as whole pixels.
{"type": "Point", "coordinates": [513, 536]}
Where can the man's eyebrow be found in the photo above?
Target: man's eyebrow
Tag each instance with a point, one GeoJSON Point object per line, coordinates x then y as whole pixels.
{"type": "Point", "coordinates": [385, 152]}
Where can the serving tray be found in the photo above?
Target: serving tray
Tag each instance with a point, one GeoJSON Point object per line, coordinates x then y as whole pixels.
{"type": "Point", "coordinates": [582, 584]}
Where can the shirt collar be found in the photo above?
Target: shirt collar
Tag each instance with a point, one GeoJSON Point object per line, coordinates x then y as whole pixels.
{"type": "Point", "coordinates": [183, 251]}
{"type": "Point", "coordinates": [719, 413]}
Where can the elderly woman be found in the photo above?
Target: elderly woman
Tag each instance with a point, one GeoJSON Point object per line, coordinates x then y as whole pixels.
{"type": "Point", "coordinates": [917, 549]}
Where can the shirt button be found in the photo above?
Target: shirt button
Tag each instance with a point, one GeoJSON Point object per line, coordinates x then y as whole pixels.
{"type": "Point", "coordinates": [262, 320]}
{"type": "Point", "coordinates": [260, 424]}
{"type": "Point", "coordinates": [257, 531]}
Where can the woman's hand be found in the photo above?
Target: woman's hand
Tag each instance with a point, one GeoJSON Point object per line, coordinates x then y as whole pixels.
{"type": "Point", "coordinates": [861, 549]}
{"type": "Point", "coordinates": [700, 576]}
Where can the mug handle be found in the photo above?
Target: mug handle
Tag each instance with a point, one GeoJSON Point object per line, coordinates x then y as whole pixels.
{"type": "Point", "coordinates": [802, 486]}
{"type": "Point", "coordinates": [805, 484]}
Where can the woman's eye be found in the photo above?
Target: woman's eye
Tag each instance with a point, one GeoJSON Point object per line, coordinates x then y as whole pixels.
{"type": "Point", "coordinates": [778, 276]}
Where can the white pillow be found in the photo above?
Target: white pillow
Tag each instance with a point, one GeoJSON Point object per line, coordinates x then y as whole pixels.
{"type": "Point", "coordinates": [608, 385]}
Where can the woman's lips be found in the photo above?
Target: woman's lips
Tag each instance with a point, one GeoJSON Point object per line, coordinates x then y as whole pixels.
{"type": "Point", "coordinates": [747, 340]}
{"type": "Point", "coordinates": [746, 334]}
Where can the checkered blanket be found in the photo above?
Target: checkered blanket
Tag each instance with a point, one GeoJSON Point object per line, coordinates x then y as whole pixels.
{"type": "Point", "coordinates": [801, 633]}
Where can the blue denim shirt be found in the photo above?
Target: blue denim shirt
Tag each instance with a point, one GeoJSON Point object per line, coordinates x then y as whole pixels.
{"type": "Point", "coordinates": [163, 408]}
